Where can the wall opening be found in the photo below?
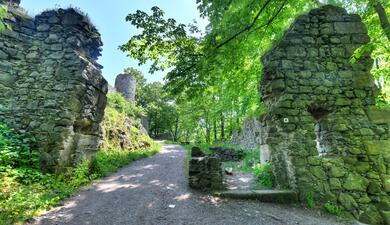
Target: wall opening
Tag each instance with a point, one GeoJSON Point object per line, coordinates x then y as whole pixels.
{"type": "Point", "coordinates": [319, 113]}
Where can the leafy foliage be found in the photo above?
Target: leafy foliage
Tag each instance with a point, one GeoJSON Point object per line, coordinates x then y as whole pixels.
{"type": "Point", "coordinates": [3, 15]}
{"type": "Point", "coordinates": [311, 203]}
{"type": "Point", "coordinates": [264, 174]}
{"type": "Point", "coordinates": [214, 75]}
{"type": "Point", "coordinates": [332, 208]}
{"type": "Point", "coordinates": [121, 105]}
{"type": "Point", "coordinates": [15, 150]}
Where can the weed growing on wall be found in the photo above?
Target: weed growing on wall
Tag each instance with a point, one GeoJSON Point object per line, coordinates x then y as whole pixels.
{"type": "Point", "coordinates": [310, 199]}
{"type": "Point", "coordinates": [332, 208]}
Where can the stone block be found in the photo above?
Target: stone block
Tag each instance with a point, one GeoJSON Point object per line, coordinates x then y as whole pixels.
{"type": "Point", "coordinates": [378, 116]}
{"type": "Point", "coordinates": [349, 28]}
{"type": "Point", "coordinates": [347, 201]}
{"type": "Point", "coordinates": [377, 147]}
{"type": "Point", "coordinates": [355, 182]}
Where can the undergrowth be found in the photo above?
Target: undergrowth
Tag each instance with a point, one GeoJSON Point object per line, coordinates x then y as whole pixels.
{"type": "Point", "coordinates": [25, 191]}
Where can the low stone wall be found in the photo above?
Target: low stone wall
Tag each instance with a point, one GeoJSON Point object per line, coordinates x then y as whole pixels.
{"type": "Point", "coordinates": [51, 86]}
{"type": "Point", "coordinates": [205, 173]}
{"type": "Point", "coordinates": [247, 136]}
{"type": "Point", "coordinates": [321, 129]}
{"type": "Point", "coordinates": [228, 154]}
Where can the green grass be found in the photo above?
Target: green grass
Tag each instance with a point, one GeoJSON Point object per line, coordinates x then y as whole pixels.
{"type": "Point", "coordinates": [26, 192]}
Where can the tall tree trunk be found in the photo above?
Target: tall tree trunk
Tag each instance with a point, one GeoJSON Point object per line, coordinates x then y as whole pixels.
{"type": "Point", "coordinates": [222, 127]}
{"type": "Point", "coordinates": [208, 133]}
{"type": "Point", "coordinates": [176, 129]}
{"type": "Point", "coordinates": [383, 18]}
{"type": "Point", "coordinates": [230, 126]}
{"type": "Point", "coordinates": [215, 130]}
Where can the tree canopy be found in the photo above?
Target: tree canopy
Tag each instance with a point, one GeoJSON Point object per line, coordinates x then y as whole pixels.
{"type": "Point", "coordinates": [213, 75]}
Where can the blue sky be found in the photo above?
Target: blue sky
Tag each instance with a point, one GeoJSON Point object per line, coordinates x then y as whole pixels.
{"type": "Point", "coordinates": [109, 18]}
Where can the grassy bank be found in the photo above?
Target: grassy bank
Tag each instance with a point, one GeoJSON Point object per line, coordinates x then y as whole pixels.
{"type": "Point", "coordinates": [25, 192]}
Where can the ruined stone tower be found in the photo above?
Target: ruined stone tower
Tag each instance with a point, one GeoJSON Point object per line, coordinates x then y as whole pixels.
{"type": "Point", "coordinates": [51, 86]}
{"type": "Point", "coordinates": [324, 135]}
{"type": "Point", "coordinates": [126, 85]}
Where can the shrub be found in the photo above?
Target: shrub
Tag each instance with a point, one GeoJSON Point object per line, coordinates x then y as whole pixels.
{"type": "Point", "coordinates": [264, 174]}
{"type": "Point", "coordinates": [332, 208]}
{"type": "Point", "coordinates": [15, 150]}
{"type": "Point", "coordinates": [119, 103]}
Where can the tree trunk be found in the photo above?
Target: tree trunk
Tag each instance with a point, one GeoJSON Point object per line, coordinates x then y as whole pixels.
{"type": "Point", "coordinates": [208, 133]}
{"type": "Point", "coordinates": [175, 137]}
{"type": "Point", "coordinates": [383, 18]}
{"type": "Point", "coordinates": [215, 130]}
{"type": "Point", "coordinates": [222, 127]}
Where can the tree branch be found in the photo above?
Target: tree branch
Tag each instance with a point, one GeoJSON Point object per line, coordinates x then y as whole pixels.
{"type": "Point", "coordinates": [383, 19]}
{"type": "Point", "coordinates": [273, 17]}
{"type": "Point", "coordinates": [245, 28]}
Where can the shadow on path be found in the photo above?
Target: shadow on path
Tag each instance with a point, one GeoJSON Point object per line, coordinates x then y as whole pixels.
{"type": "Point", "coordinates": [141, 194]}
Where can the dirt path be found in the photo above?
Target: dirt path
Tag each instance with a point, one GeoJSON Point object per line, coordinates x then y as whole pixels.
{"type": "Point", "coordinates": [141, 193]}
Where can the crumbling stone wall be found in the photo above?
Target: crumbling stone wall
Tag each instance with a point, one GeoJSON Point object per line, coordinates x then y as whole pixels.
{"type": "Point", "coordinates": [247, 136]}
{"type": "Point", "coordinates": [126, 85]}
{"type": "Point", "coordinates": [205, 173]}
{"type": "Point", "coordinates": [321, 129]}
{"type": "Point", "coordinates": [51, 86]}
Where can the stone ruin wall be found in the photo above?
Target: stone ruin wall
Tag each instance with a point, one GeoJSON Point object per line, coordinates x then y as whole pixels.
{"type": "Point", "coordinates": [51, 86]}
{"type": "Point", "coordinates": [248, 135]}
{"type": "Point", "coordinates": [322, 130]}
{"type": "Point", "coordinates": [126, 85]}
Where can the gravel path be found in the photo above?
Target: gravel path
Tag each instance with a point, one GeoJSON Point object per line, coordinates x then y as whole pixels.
{"type": "Point", "coordinates": [141, 193]}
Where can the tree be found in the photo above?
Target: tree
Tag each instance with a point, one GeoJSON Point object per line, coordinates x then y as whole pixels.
{"type": "Point", "coordinates": [221, 66]}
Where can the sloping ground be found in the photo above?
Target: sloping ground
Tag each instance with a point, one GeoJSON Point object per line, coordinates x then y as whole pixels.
{"type": "Point", "coordinates": [154, 191]}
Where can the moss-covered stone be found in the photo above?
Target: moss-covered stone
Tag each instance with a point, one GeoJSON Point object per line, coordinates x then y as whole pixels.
{"type": "Point", "coordinates": [362, 167]}
{"type": "Point", "coordinates": [386, 182]}
{"type": "Point", "coordinates": [336, 171]}
{"type": "Point", "coordinates": [378, 116]}
{"type": "Point", "coordinates": [386, 217]}
{"type": "Point", "coordinates": [347, 201]}
{"type": "Point", "coordinates": [333, 145]}
{"type": "Point", "coordinates": [355, 182]}
{"type": "Point", "coordinates": [335, 184]}
{"type": "Point", "coordinates": [371, 216]}
{"type": "Point", "coordinates": [318, 172]}
{"type": "Point", "coordinates": [376, 147]}
{"type": "Point", "coordinates": [374, 187]}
